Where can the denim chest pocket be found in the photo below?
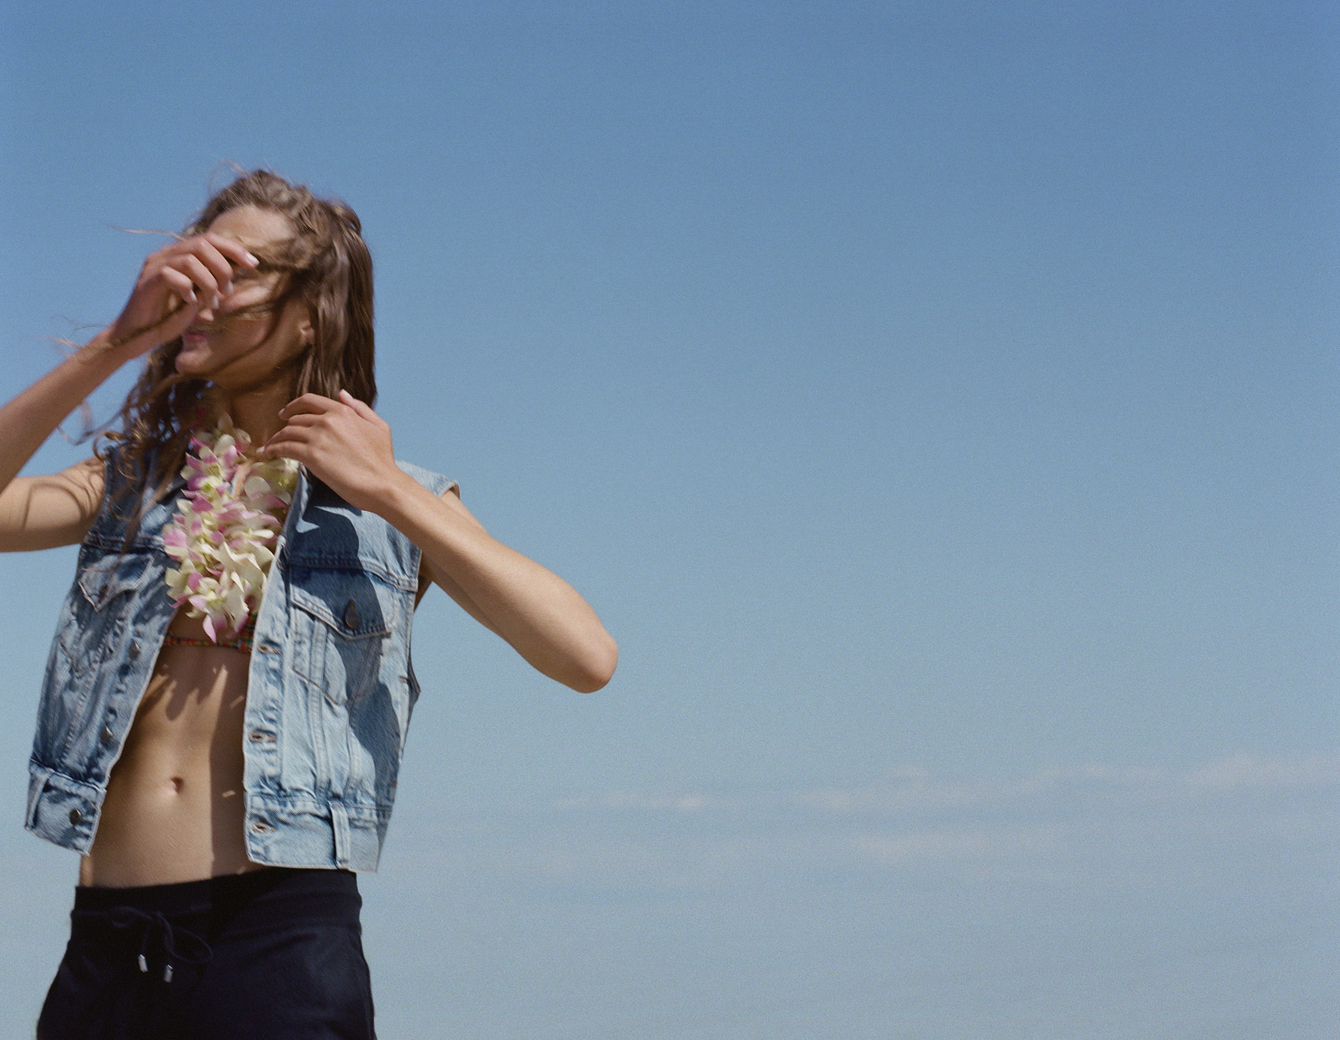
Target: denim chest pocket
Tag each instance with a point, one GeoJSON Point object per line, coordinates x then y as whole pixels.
{"type": "Point", "coordinates": [105, 585]}
{"type": "Point", "coordinates": [341, 622]}
{"type": "Point", "coordinates": [91, 630]}
{"type": "Point", "coordinates": [107, 577]}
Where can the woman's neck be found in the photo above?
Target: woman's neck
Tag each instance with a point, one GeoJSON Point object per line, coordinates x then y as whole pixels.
{"type": "Point", "coordinates": [257, 410]}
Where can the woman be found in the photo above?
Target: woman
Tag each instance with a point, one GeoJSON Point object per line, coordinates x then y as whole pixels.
{"type": "Point", "coordinates": [227, 696]}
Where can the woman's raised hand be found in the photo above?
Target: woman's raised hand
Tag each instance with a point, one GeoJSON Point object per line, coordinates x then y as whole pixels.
{"type": "Point", "coordinates": [343, 442]}
{"type": "Point", "coordinates": [174, 284]}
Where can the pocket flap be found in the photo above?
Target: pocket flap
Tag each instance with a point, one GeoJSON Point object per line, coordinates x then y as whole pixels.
{"type": "Point", "coordinates": [350, 602]}
{"type": "Point", "coordinates": [107, 577]}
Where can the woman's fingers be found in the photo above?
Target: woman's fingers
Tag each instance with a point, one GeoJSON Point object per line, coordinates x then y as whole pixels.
{"type": "Point", "coordinates": [220, 257]}
{"type": "Point", "coordinates": [209, 263]}
{"type": "Point", "coordinates": [205, 280]}
{"type": "Point", "coordinates": [309, 413]}
{"type": "Point", "coordinates": [362, 408]}
{"type": "Point", "coordinates": [316, 404]}
{"type": "Point", "coordinates": [180, 286]}
{"type": "Point", "coordinates": [348, 419]}
{"type": "Point", "coordinates": [208, 260]}
{"type": "Point", "coordinates": [230, 248]}
{"type": "Point", "coordinates": [307, 404]}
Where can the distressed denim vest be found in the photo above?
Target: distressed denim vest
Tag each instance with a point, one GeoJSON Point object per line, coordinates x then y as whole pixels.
{"type": "Point", "coordinates": [330, 687]}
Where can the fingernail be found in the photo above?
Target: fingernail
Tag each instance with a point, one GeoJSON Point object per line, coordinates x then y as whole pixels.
{"type": "Point", "coordinates": [252, 260]}
{"type": "Point", "coordinates": [214, 301]}
{"type": "Point", "coordinates": [228, 289]}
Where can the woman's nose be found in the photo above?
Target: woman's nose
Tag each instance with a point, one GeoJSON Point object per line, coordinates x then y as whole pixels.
{"type": "Point", "coordinates": [207, 308]}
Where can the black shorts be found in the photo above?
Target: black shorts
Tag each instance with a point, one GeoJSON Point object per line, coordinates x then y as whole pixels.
{"type": "Point", "coordinates": [275, 953]}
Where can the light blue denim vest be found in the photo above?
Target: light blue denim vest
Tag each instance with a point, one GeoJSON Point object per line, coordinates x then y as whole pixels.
{"type": "Point", "coordinates": [330, 688]}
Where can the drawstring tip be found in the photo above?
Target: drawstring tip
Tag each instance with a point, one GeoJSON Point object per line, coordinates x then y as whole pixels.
{"type": "Point", "coordinates": [144, 965]}
{"type": "Point", "coordinates": [167, 973]}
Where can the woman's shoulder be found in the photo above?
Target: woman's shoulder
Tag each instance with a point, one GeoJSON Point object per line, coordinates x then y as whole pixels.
{"type": "Point", "coordinates": [434, 482]}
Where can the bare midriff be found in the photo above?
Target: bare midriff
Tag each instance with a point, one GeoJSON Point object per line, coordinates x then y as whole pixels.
{"type": "Point", "coordinates": [174, 808]}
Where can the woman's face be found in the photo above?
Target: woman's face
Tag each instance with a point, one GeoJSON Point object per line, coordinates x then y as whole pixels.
{"type": "Point", "coordinates": [248, 350]}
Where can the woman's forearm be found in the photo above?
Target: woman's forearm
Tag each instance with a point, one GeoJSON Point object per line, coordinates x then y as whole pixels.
{"type": "Point", "coordinates": [543, 617]}
{"type": "Point", "coordinates": [31, 417]}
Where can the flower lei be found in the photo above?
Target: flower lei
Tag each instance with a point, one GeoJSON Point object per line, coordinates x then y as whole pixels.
{"type": "Point", "coordinates": [232, 508]}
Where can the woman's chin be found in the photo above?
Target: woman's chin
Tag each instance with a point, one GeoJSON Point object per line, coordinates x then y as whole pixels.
{"type": "Point", "coordinates": [187, 365]}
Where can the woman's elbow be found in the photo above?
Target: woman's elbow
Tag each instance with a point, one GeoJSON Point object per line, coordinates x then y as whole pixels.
{"type": "Point", "coordinates": [596, 666]}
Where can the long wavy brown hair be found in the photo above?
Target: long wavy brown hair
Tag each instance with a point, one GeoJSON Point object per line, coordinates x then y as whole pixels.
{"type": "Point", "coordinates": [326, 266]}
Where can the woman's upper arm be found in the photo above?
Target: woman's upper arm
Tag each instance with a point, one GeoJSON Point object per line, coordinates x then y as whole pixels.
{"type": "Point", "coordinates": [44, 512]}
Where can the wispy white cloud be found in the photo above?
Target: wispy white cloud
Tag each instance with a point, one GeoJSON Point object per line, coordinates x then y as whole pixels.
{"type": "Point", "coordinates": [915, 790]}
{"type": "Point", "coordinates": [676, 803]}
{"type": "Point", "coordinates": [1093, 825]}
{"type": "Point", "coordinates": [961, 843]}
{"type": "Point", "coordinates": [911, 789]}
{"type": "Point", "coordinates": [1238, 772]}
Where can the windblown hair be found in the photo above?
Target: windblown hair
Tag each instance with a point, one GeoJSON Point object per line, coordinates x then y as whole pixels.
{"type": "Point", "coordinates": [327, 268]}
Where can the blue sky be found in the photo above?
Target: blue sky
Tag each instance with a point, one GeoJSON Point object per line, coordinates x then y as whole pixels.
{"type": "Point", "coordinates": [936, 401]}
